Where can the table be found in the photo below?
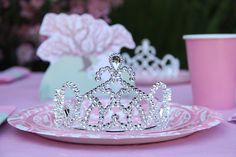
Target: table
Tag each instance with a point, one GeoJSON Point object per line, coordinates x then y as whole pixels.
{"type": "Point", "coordinates": [219, 141]}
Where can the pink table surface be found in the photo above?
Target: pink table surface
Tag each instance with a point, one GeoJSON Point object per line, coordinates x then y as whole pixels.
{"type": "Point", "coordinates": [217, 142]}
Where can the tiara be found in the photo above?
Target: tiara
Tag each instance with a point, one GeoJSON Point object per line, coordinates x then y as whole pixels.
{"type": "Point", "coordinates": [146, 63]}
{"type": "Point", "coordinates": [126, 108]}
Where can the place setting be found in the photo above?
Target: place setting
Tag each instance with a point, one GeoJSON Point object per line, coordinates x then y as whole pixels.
{"type": "Point", "coordinates": [114, 120]}
{"type": "Point", "coordinates": [75, 81]}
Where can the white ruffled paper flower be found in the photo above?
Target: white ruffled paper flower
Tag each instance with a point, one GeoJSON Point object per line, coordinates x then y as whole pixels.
{"type": "Point", "coordinates": [80, 35]}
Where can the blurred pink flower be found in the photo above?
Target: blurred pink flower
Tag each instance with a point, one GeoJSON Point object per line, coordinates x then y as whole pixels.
{"type": "Point", "coordinates": [37, 4]}
{"type": "Point", "coordinates": [99, 8]}
{"type": "Point", "coordinates": [77, 6]}
{"type": "Point", "coordinates": [26, 10]}
{"type": "Point", "coordinates": [5, 3]}
{"type": "Point", "coordinates": [25, 53]}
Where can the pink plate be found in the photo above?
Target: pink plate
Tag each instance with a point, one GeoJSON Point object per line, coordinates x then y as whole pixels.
{"type": "Point", "coordinates": [184, 121]}
{"type": "Point", "coordinates": [183, 77]}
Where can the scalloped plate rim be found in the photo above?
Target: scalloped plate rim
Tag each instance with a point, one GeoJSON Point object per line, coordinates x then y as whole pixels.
{"type": "Point", "coordinates": [169, 134]}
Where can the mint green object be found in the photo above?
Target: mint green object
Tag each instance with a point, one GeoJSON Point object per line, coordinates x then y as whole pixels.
{"type": "Point", "coordinates": [67, 69]}
{"type": "Point", "coordinates": [3, 117]}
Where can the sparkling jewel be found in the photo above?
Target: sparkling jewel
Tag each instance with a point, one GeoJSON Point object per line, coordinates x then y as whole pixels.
{"type": "Point", "coordinates": [116, 61]}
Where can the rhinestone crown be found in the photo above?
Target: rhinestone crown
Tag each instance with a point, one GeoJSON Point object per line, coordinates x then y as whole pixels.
{"type": "Point", "coordinates": [146, 62]}
{"type": "Point", "coordinates": [127, 108]}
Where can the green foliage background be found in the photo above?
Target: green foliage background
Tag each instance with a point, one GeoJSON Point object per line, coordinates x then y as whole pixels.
{"type": "Point", "coordinates": [165, 21]}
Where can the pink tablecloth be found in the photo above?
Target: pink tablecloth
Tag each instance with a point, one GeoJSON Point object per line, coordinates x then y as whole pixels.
{"type": "Point", "coordinates": [219, 141]}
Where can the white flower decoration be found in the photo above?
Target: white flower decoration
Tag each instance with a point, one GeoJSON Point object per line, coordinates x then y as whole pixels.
{"type": "Point", "coordinates": [80, 35]}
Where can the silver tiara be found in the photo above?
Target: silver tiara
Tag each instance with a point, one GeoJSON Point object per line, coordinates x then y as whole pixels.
{"type": "Point", "coordinates": [146, 62]}
{"type": "Point", "coordinates": [125, 107]}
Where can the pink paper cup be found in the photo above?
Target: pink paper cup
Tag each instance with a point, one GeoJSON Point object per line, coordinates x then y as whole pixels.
{"type": "Point", "coordinates": [212, 65]}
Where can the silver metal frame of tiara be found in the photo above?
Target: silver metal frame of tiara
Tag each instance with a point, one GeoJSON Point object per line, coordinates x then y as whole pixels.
{"type": "Point", "coordinates": [126, 109]}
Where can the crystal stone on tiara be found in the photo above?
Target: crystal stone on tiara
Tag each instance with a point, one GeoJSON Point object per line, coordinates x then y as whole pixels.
{"type": "Point", "coordinates": [146, 63]}
{"type": "Point", "coordinates": [137, 111]}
